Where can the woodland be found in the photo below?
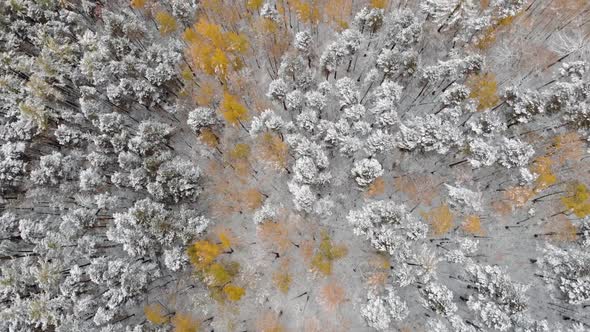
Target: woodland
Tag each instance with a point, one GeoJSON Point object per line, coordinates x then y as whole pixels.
{"type": "Point", "coordinates": [294, 165]}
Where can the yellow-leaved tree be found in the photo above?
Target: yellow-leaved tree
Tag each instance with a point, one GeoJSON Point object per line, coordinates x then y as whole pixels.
{"type": "Point", "coordinates": [185, 323]}
{"type": "Point", "coordinates": [440, 219]}
{"type": "Point", "coordinates": [137, 4]}
{"type": "Point", "coordinates": [338, 12]}
{"type": "Point", "coordinates": [542, 167]}
{"type": "Point", "coordinates": [577, 200]}
{"type": "Point", "coordinates": [166, 22]}
{"type": "Point", "coordinates": [282, 279]}
{"type": "Point", "coordinates": [155, 314]}
{"type": "Point", "coordinates": [326, 254]}
{"type": "Point", "coordinates": [380, 4]}
{"type": "Point", "coordinates": [308, 11]}
{"type": "Point", "coordinates": [484, 89]}
{"type": "Point", "coordinates": [218, 275]}
{"type": "Point", "coordinates": [233, 292]}
{"type": "Point", "coordinates": [254, 5]}
{"type": "Point", "coordinates": [214, 51]}
{"type": "Point", "coordinates": [232, 110]}
{"type": "Point", "coordinates": [472, 225]}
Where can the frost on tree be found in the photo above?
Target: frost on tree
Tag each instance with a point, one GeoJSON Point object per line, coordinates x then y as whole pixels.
{"type": "Point", "coordinates": [449, 135]}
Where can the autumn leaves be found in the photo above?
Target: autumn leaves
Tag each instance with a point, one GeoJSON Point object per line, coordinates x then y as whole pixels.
{"type": "Point", "coordinates": [214, 51]}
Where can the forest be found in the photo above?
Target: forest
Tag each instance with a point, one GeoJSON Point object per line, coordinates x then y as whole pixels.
{"type": "Point", "coordinates": [294, 165]}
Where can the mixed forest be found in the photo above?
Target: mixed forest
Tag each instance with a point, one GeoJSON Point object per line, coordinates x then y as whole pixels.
{"type": "Point", "coordinates": [294, 165]}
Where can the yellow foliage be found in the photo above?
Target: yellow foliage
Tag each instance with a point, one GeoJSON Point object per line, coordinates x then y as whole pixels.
{"type": "Point", "coordinates": [240, 151]}
{"type": "Point", "coordinates": [338, 11]}
{"type": "Point", "coordinates": [212, 6]}
{"type": "Point", "coordinates": [166, 22]}
{"type": "Point", "coordinates": [266, 26]}
{"type": "Point", "coordinates": [484, 89]}
{"type": "Point", "coordinates": [321, 264]}
{"type": "Point", "coordinates": [506, 21]}
{"type": "Point", "coordinates": [542, 167]}
{"type": "Point", "coordinates": [577, 201]}
{"type": "Point", "coordinates": [210, 31]}
{"type": "Point", "coordinates": [381, 4]}
{"type": "Point", "coordinates": [489, 35]}
{"type": "Point", "coordinates": [326, 254]}
{"type": "Point", "coordinates": [307, 11]}
{"type": "Point", "coordinates": [214, 51]}
{"type": "Point", "coordinates": [236, 42]}
{"type": "Point", "coordinates": [155, 314]}
{"type": "Point", "coordinates": [137, 4]}
{"type": "Point", "coordinates": [216, 275]}
{"type": "Point", "coordinates": [185, 323]}
{"type": "Point", "coordinates": [186, 73]}
{"type": "Point", "coordinates": [220, 63]}
{"type": "Point", "coordinates": [225, 240]}
{"type": "Point", "coordinates": [472, 225]}
{"type": "Point", "coordinates": [488, 38]}
{"type": "Point", "coordinates": [233, 292]}
{"type": "Point", "coordinates": [282, 280]}
{"type": "Point", "coordinates": [440, 219]}
{"type": "Point", "coordinates": [190, 35]}
{"type": "Point", "coordinates": [203, 253]}
{"type": "Point", "coordinates": [232, 110]}
{"type": "Point", "coordinates": [254, 5]}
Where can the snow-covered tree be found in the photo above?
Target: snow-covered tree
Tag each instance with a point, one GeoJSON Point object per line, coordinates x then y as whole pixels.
{"type": "Point", "coordinates": [380, 311]}
{"type": "Point", "coordinates": [365, 171]}
{"type": "Point", "coordinates": [201, 118]}
{"type": "Point", "coordinates": [438, 298]}
{"type": "Point", "coordinates": [388, 226]}
{"type": "Point", "coordinates": [567, 271]}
